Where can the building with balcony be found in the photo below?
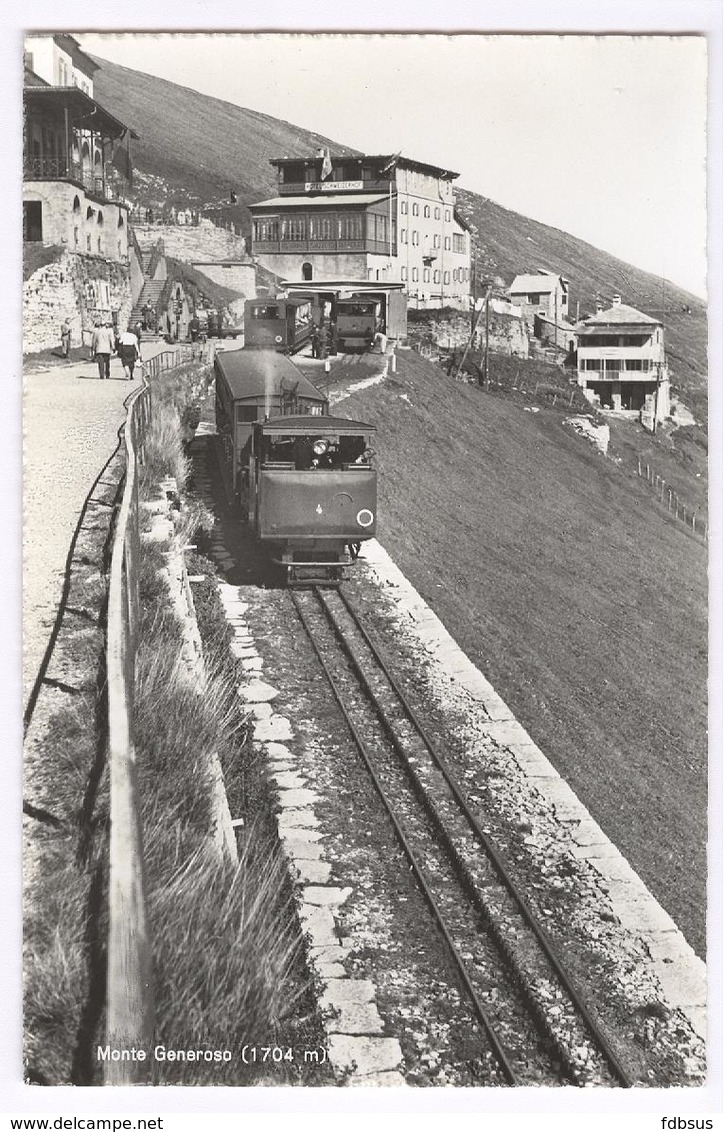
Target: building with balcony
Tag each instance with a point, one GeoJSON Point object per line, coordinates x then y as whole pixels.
{"type": "Point", "coordinates": [76, 155]}
{"type": "Point", "coordinates": [622, 361]}
{"type": "Point", "coordinates": [76, 183]}
{"type": "Point", "coordinates": [540, 293]}
{"type": "Point", "coordinates": [383, 219]}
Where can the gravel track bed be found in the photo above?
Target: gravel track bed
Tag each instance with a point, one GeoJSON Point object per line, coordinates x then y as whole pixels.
{"type": "Point", "coordinates": [505, 963]}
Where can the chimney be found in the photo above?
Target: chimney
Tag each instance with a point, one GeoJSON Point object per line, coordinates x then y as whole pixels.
{"type": "Point", "coordinates": [617, 300]}
{"type": "Point", "coordinates": [599, 305]}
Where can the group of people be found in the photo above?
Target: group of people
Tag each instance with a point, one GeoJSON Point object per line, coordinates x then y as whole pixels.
{"type": "Point", "coordinates": [106, 341]}
{"type": "Point", "coordinates": [149, 317]}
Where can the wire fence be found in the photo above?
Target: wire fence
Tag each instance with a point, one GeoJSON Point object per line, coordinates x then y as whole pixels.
{"type": "Point", "coordinates": [689, 515]}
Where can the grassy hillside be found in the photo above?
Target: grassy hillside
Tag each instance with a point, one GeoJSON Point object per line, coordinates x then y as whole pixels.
{"type": "Point", "coordinates": [580, 599]}
{"type": "Point", "coordinates": [196, 148]}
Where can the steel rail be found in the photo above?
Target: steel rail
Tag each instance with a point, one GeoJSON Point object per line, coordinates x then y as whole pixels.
{"type": "Point", "coordinates": [600, 1038]}
{"type": "Point", "coordinates": [480, 1011]}
{"type": "Point", "coordinates": [460, 866]}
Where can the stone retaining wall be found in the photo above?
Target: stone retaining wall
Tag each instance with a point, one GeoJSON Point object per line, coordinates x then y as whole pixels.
{"type": "Point", "coordinates": [450, 330]}
{"type": "Point", "coordinates": [73, 287]}
{"type": "Point", "coordinates": [202, 244]}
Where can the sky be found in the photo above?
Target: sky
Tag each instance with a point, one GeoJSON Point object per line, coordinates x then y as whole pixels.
{"type": "Point", "coordinates": [602, 136]}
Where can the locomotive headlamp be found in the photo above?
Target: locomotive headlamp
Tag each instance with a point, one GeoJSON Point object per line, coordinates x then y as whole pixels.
{"type": "Point", "coordinates": [320, 447]}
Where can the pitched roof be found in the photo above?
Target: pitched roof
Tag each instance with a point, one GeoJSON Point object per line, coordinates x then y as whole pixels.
{"type": "Point", "coordinates": [619, 315]}
{"type": "Point", "coordinates": [543, 281]}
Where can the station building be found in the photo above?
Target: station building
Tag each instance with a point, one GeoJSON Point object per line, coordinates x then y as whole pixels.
{"type": "Point", "coordinates": [384, 219]}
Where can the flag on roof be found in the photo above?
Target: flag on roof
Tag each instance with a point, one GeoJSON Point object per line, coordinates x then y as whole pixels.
{"type": "Point", "coordinates": [393, 160]}
{"type": "Point", "coordinates": [326, 165]}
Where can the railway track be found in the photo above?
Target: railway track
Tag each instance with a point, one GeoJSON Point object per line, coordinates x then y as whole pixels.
{"type": "Point", "coordinates": [537, 1028]}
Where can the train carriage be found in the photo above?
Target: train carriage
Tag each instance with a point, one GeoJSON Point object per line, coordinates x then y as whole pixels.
{"type": "Point", "coordinates": [252, 385]}
{"type": "Point", "coordinates": [304, 480]}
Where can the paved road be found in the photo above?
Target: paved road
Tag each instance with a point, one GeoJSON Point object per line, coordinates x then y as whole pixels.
{"type": "Point", "coordinates": [70, 428]}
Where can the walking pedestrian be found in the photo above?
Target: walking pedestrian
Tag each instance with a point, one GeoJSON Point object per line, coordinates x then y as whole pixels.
{"type": "Point", "coordinates": [65, 338]}
{"type": "Point", "coordinates": [102, 348]}
{"type": "Point", "coordinates": [128, 348]}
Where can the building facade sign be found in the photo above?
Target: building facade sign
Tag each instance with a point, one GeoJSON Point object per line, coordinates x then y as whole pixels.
{"type": "Point", "coordinates": [333, 186]}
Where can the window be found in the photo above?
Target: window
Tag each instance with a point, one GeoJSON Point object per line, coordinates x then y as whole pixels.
{"type": "Point", "coordinates": [403, 274]}
{"type": "Point", "coordinates": [447, 243]}
{"type": "Point", "coordinates": [446, 277]}
{"type": "Point", "coordinates": [266, 228]}
{"type": "Point", "coordinates": [415, 275]}
{"type": "Point", "coordinates": [436, 240]}
{"type": "Point", "coordinates": [436, 277]}
{"type": "Point", "coordinates": [534, 298]}
{"type": "Point", "coordinates": [458, 243]}
{"type": "Point", "coordinates": [415, 208]}
{"type": "Point", "coordinates": [426, 212]}
{"type": "Point", "coordinates": [403, 235]}
{"type": "Point", "coordinates": [294, 228]}
{"type": "Point", "coordinates": [403, 207]}
{"type": "Point", "coordinates": [426, 274]}
{"type": "Point", "coordinates": [448, 215]}
{"type": "Point", "coordinates": [321, 227]}
{"type": "Point", "coordinates": [639, 364]}
{"type": "Point", "coordinates": [592, 363]}
{"type": "Point", "coordinates": [613, 365]}
{"type": "Point", "coordinates": [307, 271]}
{"type": "Point", "coordinates": [415, 236]}
{"type": "Point", "coordinates": [350, 227]}
{"type": "Point", "coordinates": [437, 213]}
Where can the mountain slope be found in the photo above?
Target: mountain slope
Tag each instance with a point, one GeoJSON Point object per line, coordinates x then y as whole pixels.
{"type": "Point", "coordinates": [194, 149]}
{"type": "Point", "coordinates": [200, 147]}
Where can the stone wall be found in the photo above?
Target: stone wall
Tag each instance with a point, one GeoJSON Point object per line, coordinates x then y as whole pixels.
{"type": "Point", "coordinates": [202, 244]}
{"type": "Point", "coordinates": [450, 330]}
{"type": "Point", "coordinates": [77, 287]}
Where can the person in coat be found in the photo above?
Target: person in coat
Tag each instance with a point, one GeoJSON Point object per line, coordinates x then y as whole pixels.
{"type": "Point", "coordinates": [102, 348]}
{"type": "Point", "coordinates": [128, 349]}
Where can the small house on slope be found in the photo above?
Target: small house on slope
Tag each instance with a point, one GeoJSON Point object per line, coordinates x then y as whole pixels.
{"type": "Point", "coordinates": [540, 293]}
{"type": "Point", "coordinates": [622, 362]}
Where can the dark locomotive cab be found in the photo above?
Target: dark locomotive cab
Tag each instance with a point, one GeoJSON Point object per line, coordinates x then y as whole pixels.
{"type": "Point", "coordinates": [304, 480]}
{"type": "Point", "coordinates": [312, 493]}
{"type": "Point", "coordinates": [284, 325]}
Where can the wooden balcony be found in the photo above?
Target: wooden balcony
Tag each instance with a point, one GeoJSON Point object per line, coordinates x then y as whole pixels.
{"type": "Point", "coordinates": [109, 184]}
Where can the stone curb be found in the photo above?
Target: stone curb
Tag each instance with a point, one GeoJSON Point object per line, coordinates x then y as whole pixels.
{"type": "Point", "coordinates": [357, 1050]}
{"type": "Point", "coordinates": [680, 972]}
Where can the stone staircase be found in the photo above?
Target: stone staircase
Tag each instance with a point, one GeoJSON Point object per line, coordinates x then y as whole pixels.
{"type": "Point", "coordinates": [150, 296]}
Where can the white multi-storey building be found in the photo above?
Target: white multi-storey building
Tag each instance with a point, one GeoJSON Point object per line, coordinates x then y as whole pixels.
{"type": "Point", "coordinates": [383, 219]}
